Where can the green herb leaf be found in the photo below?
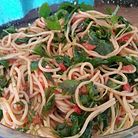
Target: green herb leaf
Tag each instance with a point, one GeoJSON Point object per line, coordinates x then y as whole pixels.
{"type": "Point", "coordinates": [44, 10]}
{"type": "Point", "coordinates": [5, 63]}
{"type": "Point", "coordinates": [116, 10]}
{"type": "Point", "coordinates": [49, 91]}
{"type": "Point", "coordinates": [92, 90]}
{"type": "Point", "coordinates": [39, 50]}
{"type": "Point", "coordinates": [113, 85]}
{"type": "Point", "coordinates": [23, 129]}
{"type": "Point", "coordinates": [3, 83]}
{"type": "Point", "coordinates": [49, 104]}
{"type": "Point", "coordinates": [20, 103]}
{"type": "Point", "coordinates": [61, 13]}
{"type": "Point", "coordinates": [22, 40]}
{"type": "Point", "coordinates": [135, 105]}
{"type": "Point", "coordinates": [53, 23]}
{"type": "Point", "coordinates": [34, 65]}
{"type": "Point", "coordinates": [69, 86]}
{"type": "Point", "coordinates": [1, 114]}
{"type": "Point", "coordinates": [88, 131]}
{"type": "Point", "coordinates": [63, 129]}
{"type": "Point", "coordinates": [48, 76]}
{"type": "Point", "coordinates": [64, 59]}
{"type": "Point", "coordinates": [85, 7]}
{"type": "Point", "coordinates": [9, 30]}
{"type": "Point", "coordinates": [114, 19]}
{"type": "Point", "coordinates": [109, 10]}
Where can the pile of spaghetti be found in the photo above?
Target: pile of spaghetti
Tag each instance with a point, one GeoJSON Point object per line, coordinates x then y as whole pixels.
{"type": "Point", "coordinates": [72, 73]}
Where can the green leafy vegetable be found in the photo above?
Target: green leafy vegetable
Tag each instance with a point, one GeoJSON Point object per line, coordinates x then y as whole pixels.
{"type": "Point", "coordinates": [30, 116]}
{"type": "Point", "coordinates": [23, 129]}
{"type": "Point", "coordinates": [135, 105]}
{"type": "Point", "coordinates": [85, 7]}
{"type": "Point", "coordinates": [39, 50]}
{"type": "Point", "coordinates": [109, 10]}
{"type": "Point", "coordinates": [20, 103]}
{"type": "Point", "coordinates": [48, 76]}
{"type": "Point", "coordinates": [92, 90]}
{"type": "Point", "coordinates": [9, 30]}
{"type": "Point", "coordinates": [113, 85]}
{"type": "Point", "coordinates": [64, 59]}
{"type": "Point", "coordinates": [103, 47]}
{"type": "Point", "coordinates": [63, 129]}
{"type": "Point", "coordinates": [103, 119]}
{"type": "Point", "coordinates": [3, 83]}
{"type": "Point", "coordinates": [44, 10]}
{"type": "Point", "coordinates": [49, 104]}
{"type": "Point", "coordinates": [69, 86]}
{"type": "Point", "coordinates": [53, 23]}
{"type": "Point", "coordinates": [34, 65]}
{"type": "Point", "coordinates": [22, 40]}
{"type": "Point", "coordinates": [1, 114]}
{"type": "Point", "coordinates": [5, 63]}
{"type": "Point", "coordinates": [88, 131]}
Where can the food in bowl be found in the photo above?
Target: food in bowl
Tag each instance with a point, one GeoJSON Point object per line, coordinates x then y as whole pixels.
{"type": "Point", "coordinates": [72, 73]}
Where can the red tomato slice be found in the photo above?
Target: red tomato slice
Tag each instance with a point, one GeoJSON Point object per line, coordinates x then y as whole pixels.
{"type": "Point", "coordinates": [77, 109]}
{"type": "Point", "coordinates": [37, 119]}
{"type": "Point", "coordinates": [62, 67]}
{"type": "Point", "coordinates": [127, 87]}
{"type": "Point", "coordinates": [125, 38]}
{"type": "Point", "coordinates": [128, 68]}
{"type": "Point", "coordinates": [89, 46]}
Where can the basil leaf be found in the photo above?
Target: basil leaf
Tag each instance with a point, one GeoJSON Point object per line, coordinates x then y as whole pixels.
{"type": "Point", "coordinates": [49, 104]}
{"type": "Point", "coordinates": [1, 114]}
{"type": "Point", "coordinates": [22, 40]}
{"type": "Point", "coordinates": [69, 86]}
{"type": "Point", "coordinates": [5, 63]}
{"type": "Point", "coordinates": [34, 65]}
{"type": "Point", "coordinates": [53, 23]}
{"type": "Point", "coordinates": [44, 10]}
{"type": "Point", "coordinates": [9, 30]}
{"type": "Point", "coordinates": [39, 50]}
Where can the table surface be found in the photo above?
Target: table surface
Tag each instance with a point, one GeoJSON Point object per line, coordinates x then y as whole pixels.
{"type": "Point", "coordinates": [129, 13]}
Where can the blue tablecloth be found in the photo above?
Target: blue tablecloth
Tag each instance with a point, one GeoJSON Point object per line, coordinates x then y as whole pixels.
{"type": "Point", "coordinates": [16, 9]}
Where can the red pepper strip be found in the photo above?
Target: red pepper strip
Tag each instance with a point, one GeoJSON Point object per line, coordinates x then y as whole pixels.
{"type": "Point", "coordinates": [89, 46]}
{"type": "Point", "coordinates": [56, 92]}
{"type": "Point", "coordinates": [117, 121]}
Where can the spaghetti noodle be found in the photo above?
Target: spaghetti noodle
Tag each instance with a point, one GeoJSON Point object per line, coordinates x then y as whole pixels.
{"type": "Point", "coordinates": [76, 81]}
